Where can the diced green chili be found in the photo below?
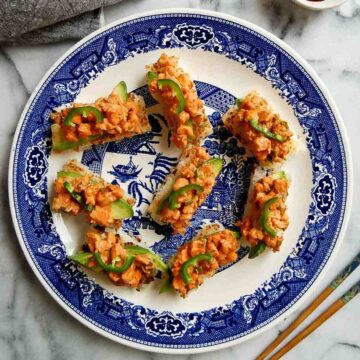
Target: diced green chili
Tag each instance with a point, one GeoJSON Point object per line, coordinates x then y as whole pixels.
{"type": "Point", "coordinates": [113, 268]}
{"type": "Point", "coordinates": [76, 196]}
{"type": "Point", "coordinates": [84, 111]}
{"type": "Point", "coordinates": [151, 75]}
{"type": "Point", "coordinates": [257, 250]}
{"type": "Point", "coordinates": [194, 261]}
{"type": "Point", "coordinates": [175, 87]}
{"type": "Point", "coordinates": [173, 203]}
{"type": "Point", "coordinates": [254, 124]}
{"type": "Point", "coordinates": [236, 234]}
{"type": "Point", "coordinates": [239, 102]}
{"type": "Point", "coordinates": [190, 124]}
{"type": "Point", "coordinates": [264, 218]}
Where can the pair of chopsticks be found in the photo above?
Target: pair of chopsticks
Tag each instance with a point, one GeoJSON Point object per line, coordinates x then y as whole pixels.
{"type": "Point", "coordinates": [331, 310]}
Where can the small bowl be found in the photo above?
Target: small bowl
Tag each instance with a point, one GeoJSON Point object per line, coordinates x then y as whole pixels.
{"type": "Point", "coordinates": [319, 5]}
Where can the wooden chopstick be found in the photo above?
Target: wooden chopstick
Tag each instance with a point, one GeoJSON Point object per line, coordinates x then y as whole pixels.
{"type": "Point", "coordinates": [330, 311]}
{"type": "Point", "coordinates": [321, 298]}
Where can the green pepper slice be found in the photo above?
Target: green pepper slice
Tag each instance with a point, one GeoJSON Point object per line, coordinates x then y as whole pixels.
{"type": "Point", "coordinates": [254, 124]}
{"type": "Point", "coordinates": [113, 268]}
{"type": "Point", "coordinates": [264, 218]}
{"type": "Point", "coordinates": [138, 250]}
{"type": "Point", "coordinates": [121, 90]}
{"type": "Point", "coordinates": [83, 259]}
{"type": "Point", "coordinates": [257, 250]}
{"type": "Point", "coordinates": [173, 203]}
{"type": "Point", "coordinates": [194, 261]}
{"type": "Point", "coordinates": [76, 196]}
{"type": "Point", "coordinates": [84, 111]}
{"type": "Point", "coordinates": [175, 87]}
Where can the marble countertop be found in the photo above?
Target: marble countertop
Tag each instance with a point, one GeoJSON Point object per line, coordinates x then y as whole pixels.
{"type": "Point", "coordinates": [33, 326]}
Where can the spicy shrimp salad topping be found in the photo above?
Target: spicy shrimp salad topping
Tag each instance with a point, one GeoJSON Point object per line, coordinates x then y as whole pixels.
{"type": "Point", "coordinates": [103, 203]}
{"type": "Point", "coordinates": [125, 263]}
{"type": "Point", "coordinates": [194, 181]}
{"type": "Point", "coordinates": [111, 118]}
{"type": "Point", "coordinates": [183, 109]}
{"type": "Point", "coordinates": [201, 257]}
{"type": "Point", "coordinates": [267, 220]}
{"type": "Point", "coordinates": [264, 133]}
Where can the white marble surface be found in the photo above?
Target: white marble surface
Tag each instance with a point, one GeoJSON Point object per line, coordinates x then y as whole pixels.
{"type": "Point", "coordinates": [33, 326]}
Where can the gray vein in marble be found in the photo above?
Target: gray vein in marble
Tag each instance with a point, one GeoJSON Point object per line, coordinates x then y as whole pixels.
{"type": "Point", "coordinates": [286, 18]}
{"type": "Point", "coordinates": [352, 13]}
{"type": "Point", "coordinates": [354, 346]}
{"type": "Point", "coordinates": [15, 70]}
{"type": "Point", "coordinates": [336, 350]}
{"type": "Point", "coordinates": [214, 4]}
{"type": "Point", "coordinates": [350, 73]}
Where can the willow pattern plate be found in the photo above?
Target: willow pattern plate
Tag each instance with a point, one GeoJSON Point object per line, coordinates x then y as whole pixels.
{"type": "Point", "coordinates": [227, 57]}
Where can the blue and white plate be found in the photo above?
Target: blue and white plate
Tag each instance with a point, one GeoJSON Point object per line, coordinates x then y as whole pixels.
{"type": "Point", "coordinates": [227, 57]}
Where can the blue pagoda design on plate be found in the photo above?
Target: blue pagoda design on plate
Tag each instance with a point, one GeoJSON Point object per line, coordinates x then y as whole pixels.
{"type": "Point", "coordinates": [126, 172]}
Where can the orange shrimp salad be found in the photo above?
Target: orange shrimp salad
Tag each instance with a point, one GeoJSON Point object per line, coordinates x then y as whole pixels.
{"type": "Point", "coordinates": [114, 120]}
{"type": "Point", "coordinates": [267, 219]}
{"type": "Point", "coordinates": [77, 191]}
{"type": "Point", "coordinates": [264, 133]}
{"type": "Point", "coordinates": [184, 110]}
{"type": "Point", "coordinates": [112, 250]}
{"type": "Point", "coordinates": [196, 169]}
{"type": "Point", "coordinates": [201, 257]}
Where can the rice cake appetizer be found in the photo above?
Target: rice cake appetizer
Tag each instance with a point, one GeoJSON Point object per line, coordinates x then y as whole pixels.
{"type": "Point", "coordinates": [266, 218]}
{"type": "Point", "coordinates": [125, 263]}
{"type": "Point", "coordinates": [79, 190]}
{"type": "Point", "coordinates": [200, 258]}
{"type": "Point", "coordinates": [183, 109]}
{"type": "Point", "coordinates": [258, 128]}
{"type": "Point", "coordinates": [186, 189]}
{"type": "Point", "coordinates": [113, 118]}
